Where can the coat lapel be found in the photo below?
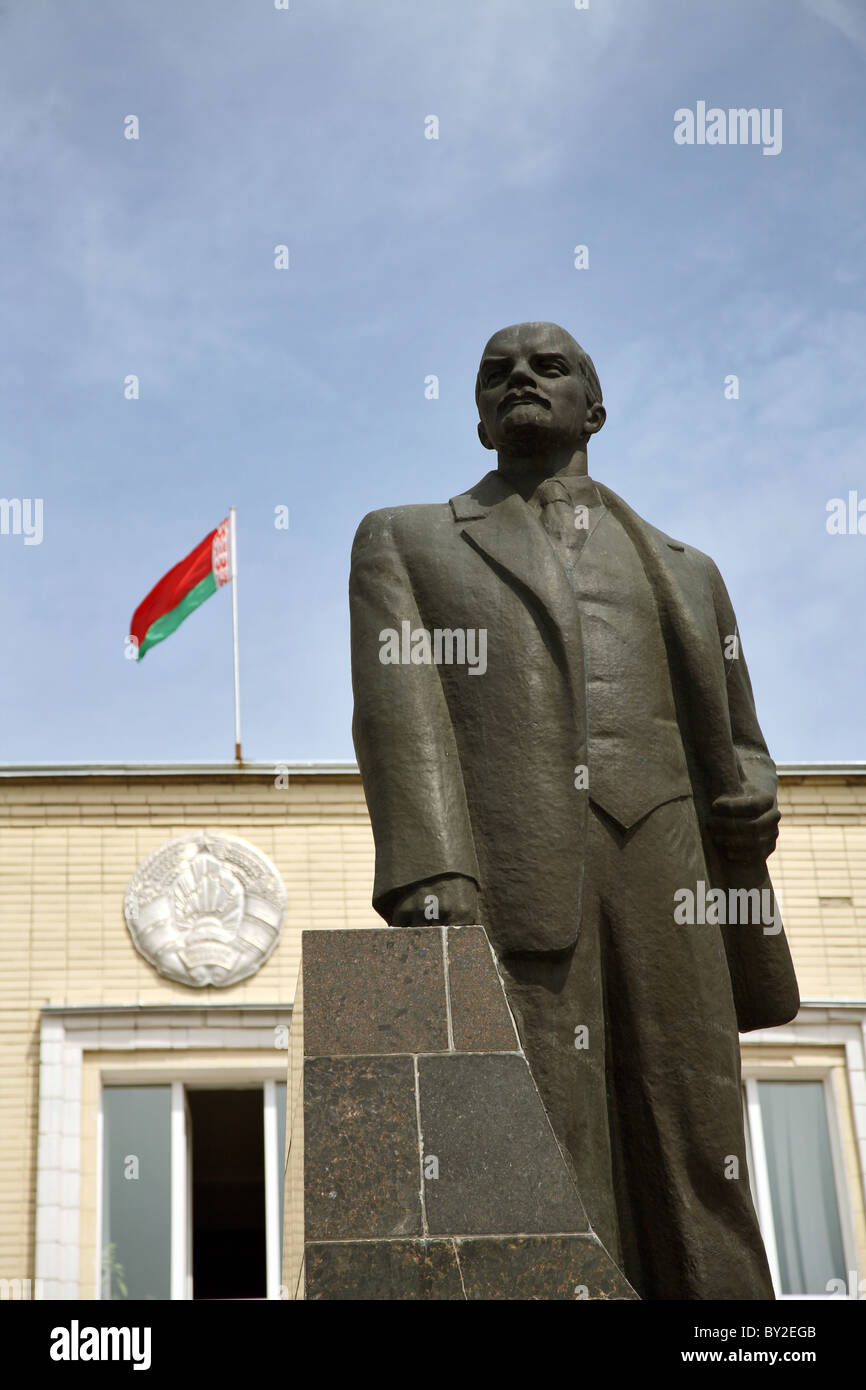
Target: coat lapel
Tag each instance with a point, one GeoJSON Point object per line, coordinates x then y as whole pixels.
{"type": "Point", "coordinates": [500, 525]}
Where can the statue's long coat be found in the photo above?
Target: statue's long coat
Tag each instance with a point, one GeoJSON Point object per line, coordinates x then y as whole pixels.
{"type": "Point", "coordinates": [475, 773]}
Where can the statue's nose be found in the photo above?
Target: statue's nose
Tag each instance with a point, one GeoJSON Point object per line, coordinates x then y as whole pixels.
{"type": "Point", "coordinates": [520, 375]}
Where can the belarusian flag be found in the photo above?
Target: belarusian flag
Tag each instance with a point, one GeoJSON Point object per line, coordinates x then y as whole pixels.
{"type": "Point", "coordinates": [179, 593]}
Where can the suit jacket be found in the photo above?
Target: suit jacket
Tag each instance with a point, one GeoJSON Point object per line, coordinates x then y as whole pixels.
{"type": "Point", "coordinates": [475, 774]}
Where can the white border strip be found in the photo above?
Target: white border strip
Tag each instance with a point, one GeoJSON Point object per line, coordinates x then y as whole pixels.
{"type": "Point", "coordinates": [272, 1192]}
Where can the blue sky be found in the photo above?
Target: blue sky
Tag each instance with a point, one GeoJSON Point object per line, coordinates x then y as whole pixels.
{"type": "Point", "coordinates": [305, 387]}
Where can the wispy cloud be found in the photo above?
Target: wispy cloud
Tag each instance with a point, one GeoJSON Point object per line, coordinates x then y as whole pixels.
{"type": "Point", "coordinates": [845, 15]}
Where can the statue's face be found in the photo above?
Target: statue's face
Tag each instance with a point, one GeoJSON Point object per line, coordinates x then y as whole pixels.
{"type": "Point", "coordinates": [532, 395]}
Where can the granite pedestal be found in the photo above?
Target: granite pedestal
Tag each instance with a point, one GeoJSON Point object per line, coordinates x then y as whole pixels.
{"type": "Point", "coordinates": [421, 1163]}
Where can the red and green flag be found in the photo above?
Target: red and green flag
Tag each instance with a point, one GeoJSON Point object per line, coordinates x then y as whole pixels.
{"type": "Point", "coordinates": [183, 589]}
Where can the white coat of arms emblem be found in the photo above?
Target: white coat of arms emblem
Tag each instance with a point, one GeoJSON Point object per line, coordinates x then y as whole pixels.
{"type": "Point", "coordinates": [205, 909]}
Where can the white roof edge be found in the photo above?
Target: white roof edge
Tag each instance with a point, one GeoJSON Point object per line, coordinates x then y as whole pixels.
{"type": "Point", "coordinates": [822, 769]}
{"type": "Point", "coordinates": [245, 769]}
{"type": "Point", "coordinates": [308, 769]}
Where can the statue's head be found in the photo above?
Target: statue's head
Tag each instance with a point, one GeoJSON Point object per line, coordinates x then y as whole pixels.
{"type": "Point", "coordinates": [536, 390]}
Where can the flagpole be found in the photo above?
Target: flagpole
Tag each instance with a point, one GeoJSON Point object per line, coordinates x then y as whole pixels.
{"type": "Point", "coordinates": [234, 551]}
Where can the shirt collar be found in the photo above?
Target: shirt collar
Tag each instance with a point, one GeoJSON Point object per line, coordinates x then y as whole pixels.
{"type": "Point", "coordinates": [581, 488]}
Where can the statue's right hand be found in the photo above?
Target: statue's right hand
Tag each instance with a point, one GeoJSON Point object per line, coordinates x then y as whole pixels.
{"type": "Point", "coordinates": [448, 901]}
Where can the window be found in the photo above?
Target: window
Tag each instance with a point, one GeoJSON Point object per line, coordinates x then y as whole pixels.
{"type": "Point", "coordinates": [136, 1230]}
{"type": "Point", "coordinates": [192, 1189]}
{"type": "Point", "coordinates": [798, 1184]}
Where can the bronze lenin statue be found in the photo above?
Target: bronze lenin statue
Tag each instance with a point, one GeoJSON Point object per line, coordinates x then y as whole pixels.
{"type": "Point", "coordinates": [557, 737]}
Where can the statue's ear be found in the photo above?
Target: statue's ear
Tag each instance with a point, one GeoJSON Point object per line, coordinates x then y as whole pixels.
{"type": "Point", "coordinates": [484, 436]}
{"type": "Point", "coordinates": [595, 418]}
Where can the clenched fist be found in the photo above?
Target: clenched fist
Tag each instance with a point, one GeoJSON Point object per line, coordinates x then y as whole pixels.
{"type": "Point", "coordinates": [455, 905]}
{"type": "Point", "coordinates": [745, 827]}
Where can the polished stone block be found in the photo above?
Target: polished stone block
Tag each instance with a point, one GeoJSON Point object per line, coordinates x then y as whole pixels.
{"type": "Point", "coordinates": [384, 1270]}
{"type": "Point", "coordinates": [481, 1019]}
{"type": "Point", "coordinates": [541, 1267]}
{"type": "Point", "coordinates": [361, 1148]}
{"type": "Point", "coordinates": [420, 1160]}
{"type": "Point", "coordinates": [493, 1176]}
{"type": "Point", "coordinates": [374, 991]}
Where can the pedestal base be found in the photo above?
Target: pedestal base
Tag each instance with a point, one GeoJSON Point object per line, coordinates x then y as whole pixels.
{"type": "Point", "coordinates": [421, 1162]}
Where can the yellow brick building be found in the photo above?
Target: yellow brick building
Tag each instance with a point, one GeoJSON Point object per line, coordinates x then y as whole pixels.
{"type": "Point", "coordinates": [142, 1119]}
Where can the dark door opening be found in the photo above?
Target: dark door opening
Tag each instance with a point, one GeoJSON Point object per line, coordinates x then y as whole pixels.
{"type": "Point", "coordinates": [228, 1194]}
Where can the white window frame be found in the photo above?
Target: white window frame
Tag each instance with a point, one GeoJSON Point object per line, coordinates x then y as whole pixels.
{"type": "Point", "coordinates": [273, 1162]}
{"type": "Point", "coordinates": [760, 1171]}
{"type": "Point", "coordinates": [820, 1023]}
{"type": "Point", "coordinates": [209, 1079]}
{"type": "Point", "coordinates": [66, 1034]}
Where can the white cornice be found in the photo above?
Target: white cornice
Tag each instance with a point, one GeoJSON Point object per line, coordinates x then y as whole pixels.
{"type": "Point", "coordinates": [24, 771]}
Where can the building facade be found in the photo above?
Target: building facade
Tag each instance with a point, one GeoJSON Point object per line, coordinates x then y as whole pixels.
{"type": "Point", "coordinates": [142, 1102]}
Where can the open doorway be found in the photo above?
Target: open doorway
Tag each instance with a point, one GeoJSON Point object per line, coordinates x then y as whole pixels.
{"type": "Point", "coordinates": [228, 1194]}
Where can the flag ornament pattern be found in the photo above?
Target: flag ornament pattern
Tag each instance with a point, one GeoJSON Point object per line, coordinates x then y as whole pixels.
{"type": "Point", "coordinates": [183, 589]}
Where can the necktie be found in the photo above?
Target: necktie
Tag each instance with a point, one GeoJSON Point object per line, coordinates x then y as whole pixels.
{"type": "Point", "coordinates": [559, 518]}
